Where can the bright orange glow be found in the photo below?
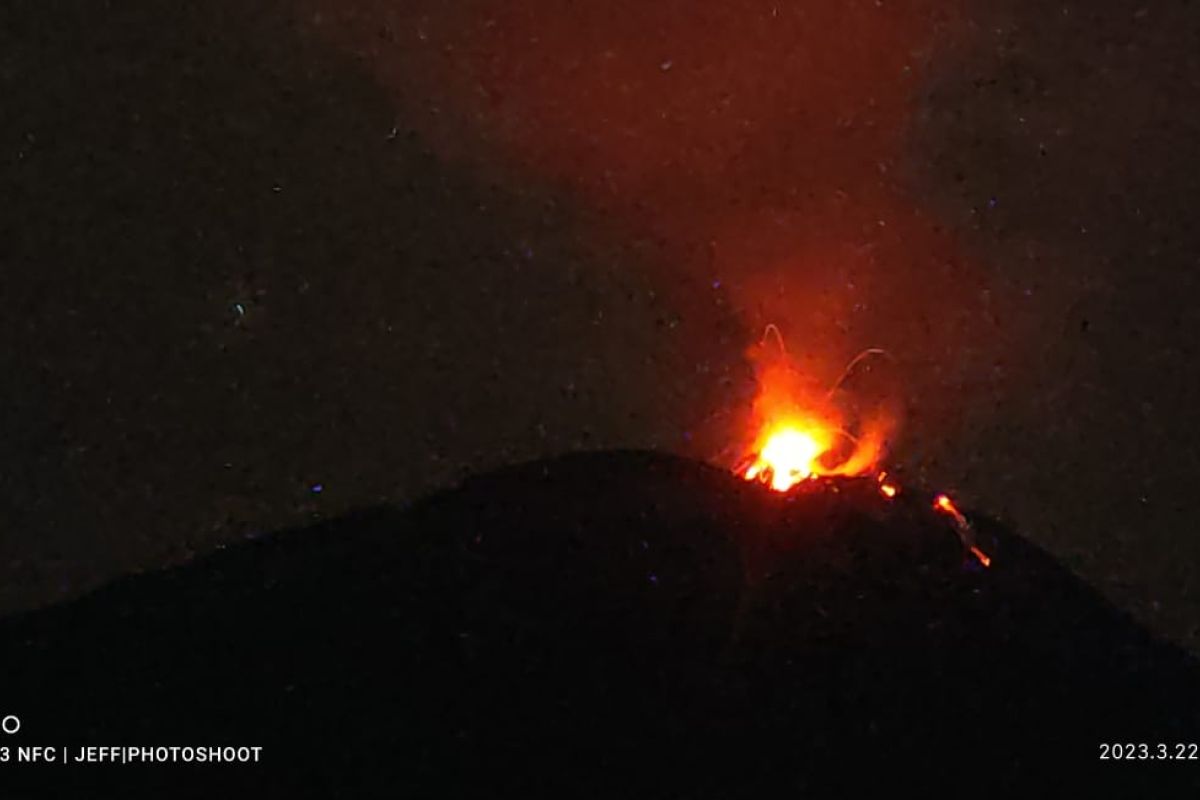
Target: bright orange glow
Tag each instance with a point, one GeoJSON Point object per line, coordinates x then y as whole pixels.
{"type": "Point", "coordinates": [982, 556]}
{"type": "Point", "coordinates": [946, 506]}
{"type": "Point", "coordinates": [802, 432]}
{"type": "Point", "coordinates": [788, 456]}
{"type": "Point", "coordinates": [888, 490]}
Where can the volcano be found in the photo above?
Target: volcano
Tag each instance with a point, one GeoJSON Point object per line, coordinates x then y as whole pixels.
{"type": "Point", "coordinates": [605, 624]}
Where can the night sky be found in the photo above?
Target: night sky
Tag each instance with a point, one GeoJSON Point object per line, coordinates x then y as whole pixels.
{"type": "Point", "coordinates": [262, 265]}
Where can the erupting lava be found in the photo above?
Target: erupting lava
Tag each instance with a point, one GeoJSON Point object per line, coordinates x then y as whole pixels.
{"type": "Point", "coordinates": [803, 436]}
{"type": "Point", "coordinates": [803, 432]}
{"type": "Point", "coordinates": [789, 452]}
{"type": "Point", "coordinates": [789, 456]}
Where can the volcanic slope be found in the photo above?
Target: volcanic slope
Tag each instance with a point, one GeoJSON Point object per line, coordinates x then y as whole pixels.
{"type": "Point", "coordinates": [618, 623]}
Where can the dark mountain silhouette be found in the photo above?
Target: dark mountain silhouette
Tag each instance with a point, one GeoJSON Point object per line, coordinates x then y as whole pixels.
{"type": "Point", "coordinates": [612, 624]}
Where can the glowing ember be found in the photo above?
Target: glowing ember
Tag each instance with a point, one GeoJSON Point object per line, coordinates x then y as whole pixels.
{"type": "Point", "coordinates": [946, 506]}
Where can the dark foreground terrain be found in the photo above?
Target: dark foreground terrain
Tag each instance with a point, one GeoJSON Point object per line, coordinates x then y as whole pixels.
{"type": "Point", "coordinates": [615, 624]}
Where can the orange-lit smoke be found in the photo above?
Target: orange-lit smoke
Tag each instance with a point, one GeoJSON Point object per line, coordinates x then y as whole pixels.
{"type": "Point", "coordinates": [759, 145]}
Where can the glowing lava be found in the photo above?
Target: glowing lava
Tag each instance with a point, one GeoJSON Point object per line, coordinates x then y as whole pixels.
{"type": "Point", "coordinates": [803, 430]}
{"type": "Point", "coordinates": [788, 456]}
{"type": "Point", "coordinates": [805, 434]}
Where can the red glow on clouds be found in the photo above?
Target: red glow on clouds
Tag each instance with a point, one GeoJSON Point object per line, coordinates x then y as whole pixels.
{"type": "Point", "coordinates": [761, 144]}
